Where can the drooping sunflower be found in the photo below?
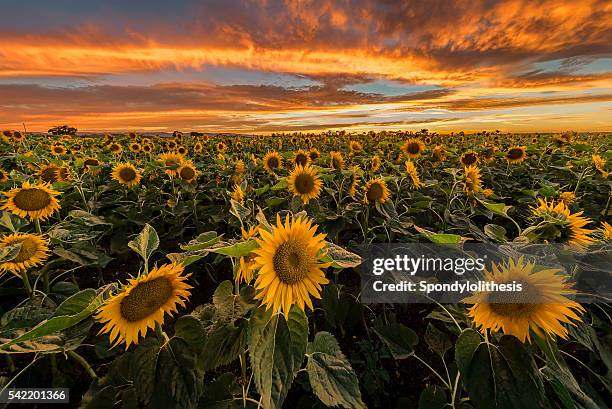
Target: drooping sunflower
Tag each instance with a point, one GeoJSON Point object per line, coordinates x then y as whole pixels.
{"type": "Point", "coordinates": [314, 154]}
{"type": "Point", "coordinates": [301, 158]}
{"type": "Point", "coordinates": [171, 161]}
{"type": "Point", "coordinates": [188, 172]}
{"type": "Point", "coordinates": [142, 304]}
{"type": "Point", "coordinates": [238, 194]}
{"type": "Point", "coordinates": [304, 182]}
{"type": "Point", "coordinates": [290, 266]}
{"type": "Point", "coordinates": [375, 163]}
{"type": "Point", "coordinates": [91, 165]}
{"type": "Point", "coordinates": [33, 201]}
{"type": "Point", "coordinates": [375, 191]}
{"type": "Point", "coordinates": [336, 161]}
{"type": "Point", "coordinates": [115, 148]}
{"type": "Point", "coordinates": [355, 146]}
{"type": "Point", "coordinates": [33, 252]}
{"type": "Point", "coordinates": [439, 153]}
{"type": "Point", "coordinates": [272, 161]}
{"type": "Point", "coordinates": [413, 148]}
{"type": "Point", "coordinates": [599, 164]}
{"type": "Point", "coordinates": [541, 306]}
{"type": "Point", "coordinates": [413, 174]}
{"type": "Point", "coordinates": [49, 173]}
{"type": "Point", "coordinates": [516, 154]}
{"type": "Point", "coordinates": [570, 225]}
{"type": "Point", "coordinates": [356, 171]}
{"type": "Point", "coordinates": [469, 158]}
{"type": "Point", "coordinates": [126, 174]}
{"type": "Point", "coordinates": [487, 153]}
{"type": "Point", "coordinates": [245, 271]}
{"type": "Point", "coordinates": [472, 180]}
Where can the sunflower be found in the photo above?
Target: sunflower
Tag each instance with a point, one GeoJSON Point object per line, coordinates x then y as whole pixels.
{"type": "Point", "coordinates": [413, 148]}
{"type": "Point", "coordinates": [198, 147]}
{"type": "Point", "coordinates": [413, 174]}
{"type": "Point", "coordinates": [571, 225]}
{"type": "Point", "coordinates": [472, 180]}
{"type": "Point", "coordinates": [172, 161]}
{"type": "Point", "coordinates": [516, 154]}
{"type": "Point", "coordinates": [541, 306]}
{"type": "Point", "coordinates": [115, 148]}
{"type": "Point", "coordinates": [6, 135]}
{"type": "Point", "coordinates": [33, 252]}
{"type": "Point", "coordinates": [132, 135]}
{"type": "Point", "coordinates": [4, 175]}
{"type": "Point", "coordinates": [314, 154]}
{"type": "Point", "coordinates": [238, 194]}
{"type": "Point", "coordinates": [49, 173]}
{"type": "Point", "coordinates": [567, 197]}
{"type": "Point", "coordinates": [304, 182]}
{"type": "Point", "coordinates": [375, 163]}
{"type": "Point", "coordinates": [301, 158]}
{"type": "Point", "coordinates": [356, 171]}
{"type": "Point", "coordinates": [376, 191]}
{"type": "Point", "coordinates": [63, 174]}
{"type": "Point", "coordinates": [126, 174]}
{"type": "Point", "coordinates": [469, 158]}
{"type": "Point", "coordinates": [239, 167]}
{"type": "Point", "coordinates": [221, 147]}
{"type": "Point", "coordinates": [187, 172]}
{"type": "Point", "coordinates": [439, 153]}
{"type": "Point", "coordinates": [135, 147]}
{"type": "Point", "coordinates": [58, 150]}
{"type": "Point", "coordinates": [600, 165]}
{"type": "Point", "coordinates": [142, 304]}
{"type": "Point", "coordinates": [290, 266]}
{"type": "Point", "coordinates": [34, 201]}
{"type": "Point", "coordinates": [355, 147]}
{"type": "Point", "coordinates": [147, 148]}
{"type": "Point", "coordinates": [272, 161]}
{"type": "Point", "coordinates": [91, 163]}
{"type": "Point", "coordinates": [606, 232]}
{"type": "Point", "coordinates": [487, 153]}
{"type": "Point", "coordinates": [336, 161]}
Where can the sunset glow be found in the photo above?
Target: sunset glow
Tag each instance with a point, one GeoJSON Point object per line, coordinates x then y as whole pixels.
{"type": "Point", "coordinates": [518, 66]}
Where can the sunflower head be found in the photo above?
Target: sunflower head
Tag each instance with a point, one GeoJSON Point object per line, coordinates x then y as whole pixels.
{"type": "Point", "coordinates": [135, 147]}
{"type": "Point", "coordinates": [439, 153]}
{"type": "Point", "coordinates": [115, 148]}
{"type": "Point", "coordinates": [301, 158]}
{"type": "Point", "coordinates": [33, 201]}
{"type": "Point", "coordinates": [314, 154]}
{"type": "Point", "coordinates": [238, 194]}
{"type": "Point", "coordinates": [541, 307]}
{"type": "Point", "coordinates": [188, 172]}
{"type": "Point", "coordinates": [606, 232]}
{"type": "Point", "coordinates": [171, 161]}
{"type": "Point", "coordinates": [516, 154]}
{"type": "Point", "coordinates": [375, 191]}
{"type": "Point", "coordinates": [469, 158]}
{"type": "Point", "coordinates": [58, 150]}
{"type": "Point", "coordinates": [336, 161]}
{"type": "Point", "coordinates": [355, 147]}
{"type": "Point", "coordinates": [487, 153]}
{"type": "Point", "coordinates": [143, 303]}
{"type": "Point", "coordinates": [4, 175]}
{"type": "Point", "coordinates": [567, 197]}
{"type": "Point", "coordinates": [126, 174]}
{"type": "Point", "coordinates": [570, 226]}
{"type": "Point", "coordinates": [375, 163]}
{"type": "Point", "coordinates": [290, 266]}
{"type": "Point", "coordinates": [272, 161]}
{"type": "Point", "coordinates": [49, 173]}
{"type": "Point", "coordinates": [472, 180]}
{"type": "Point", "coordinates": [33, 252]}
{"type": "Point", "coordinates": [413, 148]}
{"type": "Point", "coordinates": [413, 174]}
{"type": "Point", "coordinates": [305, 183]}
{"type": "Point", "coordinates": [599, 164]}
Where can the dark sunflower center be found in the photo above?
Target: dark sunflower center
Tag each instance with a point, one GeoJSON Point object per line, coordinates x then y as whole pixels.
{"type": "Point", "coordinates": [304, 183]}
{"type": "Point", "coordinates": [413, 148]}
{"type": "Point", "coordinates": [291, 262]}
{"type": "Point", "coordinates": [515, 304]}
{"type": "Point", "coordinates": [301, 159]}
{"type": "Point", "coordinates": [91, 162]}
{"type": "Point", "coordinates": [515, 153]}
{"type": "Point", "coordinates": [58, 149]}
{"type": "Point", "coordinates": [187, 173]}
{"type": "Point", "coordinates": [146, 298]}
{"type": "Point", "coordinates": [170, 162]}
{"type": "Point", "coordinates": [49, 174]}
{"type": "Point", "coordinates": [273, 162]}
{"type": "Point", "coordinates": [27, 251]}
{"type": "Point", "coordinates": [469, 158]}
{"type": "Point", "coordinates": [32, 199]}
{"type": "Point", "coordinates": [314, 155]}
{"type": "Point", "coordinates": [375, 192]}
{"type": "Point", "coordinates": [127, 174]}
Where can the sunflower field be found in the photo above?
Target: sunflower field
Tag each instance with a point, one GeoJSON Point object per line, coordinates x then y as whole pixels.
{"type": "Point", "coordinates": [223, 271]}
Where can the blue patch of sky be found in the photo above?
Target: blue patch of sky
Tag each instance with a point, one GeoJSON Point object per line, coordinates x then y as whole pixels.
{"type": "Point", "coordinates": [389, 88]}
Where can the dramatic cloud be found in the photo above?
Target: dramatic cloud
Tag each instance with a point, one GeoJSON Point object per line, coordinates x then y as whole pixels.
{"type": "Point", "coordinates": [120, 64]}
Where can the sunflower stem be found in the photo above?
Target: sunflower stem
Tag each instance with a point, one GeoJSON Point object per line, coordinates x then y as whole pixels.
{"type": "Point", "coordinates": [159, 332]}
{"type": "Point", "coordinates": [38, 228]}
{"type": "Point", "coordinates": [26, 283]}
{"type": "Point", "coordinates": [83, 362]}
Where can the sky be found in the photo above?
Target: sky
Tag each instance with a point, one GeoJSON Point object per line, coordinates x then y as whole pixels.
{"type": "Point", "coordinates": [269, 66]}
